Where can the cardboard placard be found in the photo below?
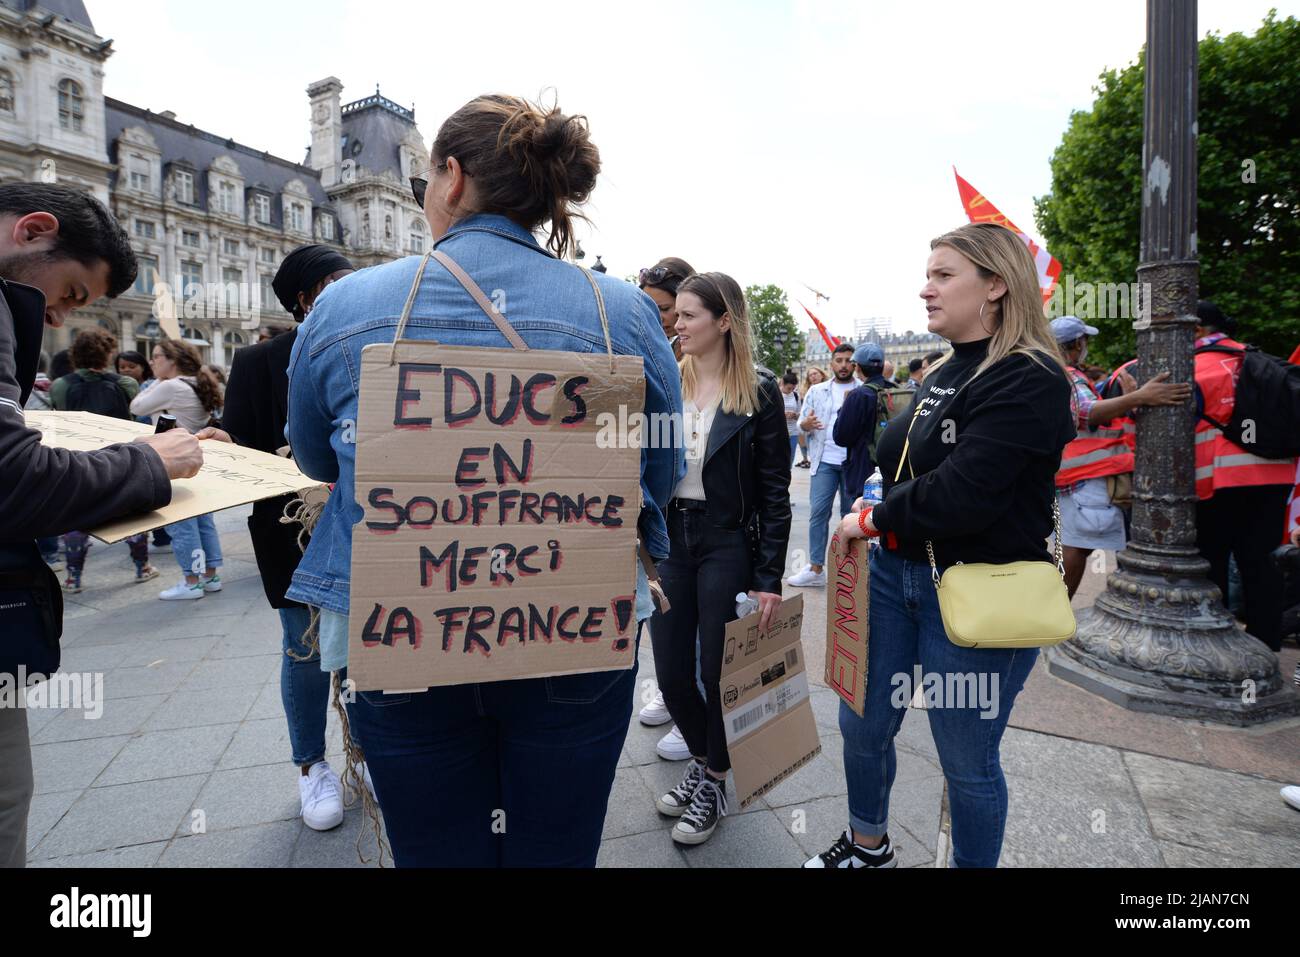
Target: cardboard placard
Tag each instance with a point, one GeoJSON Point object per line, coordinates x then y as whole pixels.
{"type": "Point", "coordinates": [848, 621]}
{"type": "Point", "coordinates": [231, 474]}
{"type": "Point", "coordinates": [498, 537]}
{"type": "Point", "coordinates": [766, 712]}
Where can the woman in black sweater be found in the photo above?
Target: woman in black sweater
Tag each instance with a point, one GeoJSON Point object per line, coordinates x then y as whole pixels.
{"type": "Point", "coordinates": [987, 428]}
{"type": "Point", "coordinates": [728, 525]}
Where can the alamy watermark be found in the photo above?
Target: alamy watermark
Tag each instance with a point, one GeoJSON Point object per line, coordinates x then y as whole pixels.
{"type": "Point", "coordinates": [947, 690]}
{"type": "Point", "coordinates": [82, 691]}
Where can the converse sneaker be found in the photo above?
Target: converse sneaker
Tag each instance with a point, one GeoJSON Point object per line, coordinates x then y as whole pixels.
{"type": "Point", "coordinates": [672, 746]}
{"type": "Point", "coordinates": [350, 795]}
{"type": "Point", "coordinates": [707, 808]}
{"type": "Point", "coordinates": [72, 586]}
{"type": "Point", "coordinates": [676, 801]}
{"type": "Point", "coordinates": [182, 591]}
{"type": "Point", "coordinates": [213, 583]}
{"type": "Point", "coordinates": [321, 796]}
{"type": "Point", "coordinates": [807, 578]}
{"type": "Point", "coordinates": [655, 713]}
{"type": "Point", "coordinates": [844, 853]}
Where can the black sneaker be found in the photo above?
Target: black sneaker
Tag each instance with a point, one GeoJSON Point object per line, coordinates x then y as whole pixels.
{"type": "Point", "coordinates": [676, 801]}
{"type": "Point", "coordinates": [701, 819]}
{"type": "Point", "coordinates": [844, 853]}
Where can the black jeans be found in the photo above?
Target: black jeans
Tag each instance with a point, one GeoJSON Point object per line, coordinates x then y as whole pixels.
{"type": "Point", "coordinates": [1247, 522]}
{"type": "Point", "coordinates": [706, 568]}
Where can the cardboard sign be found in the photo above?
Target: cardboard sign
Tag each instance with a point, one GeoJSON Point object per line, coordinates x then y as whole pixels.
{"type": "Point", "coordinates": [766, 713]}
{"type": "Point", "coordinates": [497, 538]}
{"type": "Point", "coordinates": [231, 475]}
{"type": "Point", "coordinates": [847, 620]}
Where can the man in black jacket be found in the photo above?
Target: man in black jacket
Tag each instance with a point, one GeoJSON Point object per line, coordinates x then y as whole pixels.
{"type": "Point", "coordinates": [855, 429]}
{"type": "Point", "coordinates": [60, 249]}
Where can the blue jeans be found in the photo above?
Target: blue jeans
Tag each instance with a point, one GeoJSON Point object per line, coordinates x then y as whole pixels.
{"type": "Point", "coordinates": [907, 637]}
{"type": "Point", "coordinates": [189, 537]}
{"type": "Point", "coordinates": [794, 448]}
{"type": "Point", "coordinates": [304, 689]}
{"type": "Point", "coordinates": [506, 774]}
{"type": "Point", "coordinates": [828, 481]}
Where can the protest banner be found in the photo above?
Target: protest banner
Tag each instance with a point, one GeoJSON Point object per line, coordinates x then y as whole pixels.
{"type": "Point", "coordinates": [766, 710]}
{"type": "Point", "coordinates": [231, 474]}
{"type": "Point", "coordinates": [497, 538]}
{"type": "Point", "coordinates": [847, 620]}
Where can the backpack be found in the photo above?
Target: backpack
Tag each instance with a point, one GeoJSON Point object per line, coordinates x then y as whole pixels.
{"type": "Point", "coordinates": [891, 403]}
{"type": "Point", "coordinates": [1266, 412]}
{"type": "Point", "coordinates": [102, 395]}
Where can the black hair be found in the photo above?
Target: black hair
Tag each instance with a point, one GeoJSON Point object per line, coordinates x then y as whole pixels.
{"type": "Point", "coordinates": [1214, 318]}
{"type": "Point", "coordinates": [844, 347]}
{"type": "Point", "coordinates": [915, 365]}
{"type": "Point", "coordinates": [790, 378]}
{"type": "Point", "coordinates": [87, 230]}
{"type": "Point", "coordinates": [933, 357]}
{"type": "Point", "coordinates": [60, 365]}
{"type": "Point", "coordinates": [137, 359]}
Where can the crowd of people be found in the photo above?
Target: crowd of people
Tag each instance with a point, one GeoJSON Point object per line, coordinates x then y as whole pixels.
{"type": "Point", "coordinates": [974, 449]}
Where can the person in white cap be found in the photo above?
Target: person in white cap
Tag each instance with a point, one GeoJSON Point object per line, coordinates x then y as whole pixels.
{"type": "Point", "coordinates": [1089, 481]}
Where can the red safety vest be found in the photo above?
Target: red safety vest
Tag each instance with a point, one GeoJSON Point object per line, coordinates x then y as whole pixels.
{"type": "Point", "coordinates": [1220, 463]}
{"type": "Point", "coordinates": [1094, 453]}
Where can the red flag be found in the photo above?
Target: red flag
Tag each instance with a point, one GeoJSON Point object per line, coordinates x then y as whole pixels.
{"type": "Point", "coordinates": [831, 341]}
{"type": "Point", "coordinates": [980, 210]}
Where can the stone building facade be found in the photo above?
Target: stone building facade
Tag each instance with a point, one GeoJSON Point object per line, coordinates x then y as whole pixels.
{"type": "Point", "coordinates": [209, 218]}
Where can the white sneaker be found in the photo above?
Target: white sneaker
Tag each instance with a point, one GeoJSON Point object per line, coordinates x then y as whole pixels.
{"type": "Point", "coordinates": [672, 746]}
{"type": "Point", "coordinates": [655, 713]}
{"type": "Point", "coordinates": [321, 795]}
{"type": "Point", "coordinates": [182, 591]}
{"type": "Point", "coordinates": [807, 578]}
{"type": "Point", "coordinates": [1291, 794]}
{"type": "Point", "coordinates": [213, 583]}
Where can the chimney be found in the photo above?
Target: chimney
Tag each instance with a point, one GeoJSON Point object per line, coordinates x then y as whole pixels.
{"type": "Point", "coordinates": [326, 129]}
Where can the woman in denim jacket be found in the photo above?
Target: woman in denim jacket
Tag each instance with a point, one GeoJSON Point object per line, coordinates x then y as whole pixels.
{"type": "Point", "coordinates": [514, 773]}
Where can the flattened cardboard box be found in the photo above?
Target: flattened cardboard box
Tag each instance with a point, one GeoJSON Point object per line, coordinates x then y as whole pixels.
{"type": "Point", "coordinates": [847, 621]}
{"type": "Point", "coordinates": [766, 712]}
{"type": "Point", "coordinates": [231, 475]}
{"type": "Point", "coordinates": [498, 535]}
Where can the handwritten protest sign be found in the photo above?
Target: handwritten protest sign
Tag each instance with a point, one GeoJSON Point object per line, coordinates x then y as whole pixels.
{"type": "Point", "coordinates": [848, 620]}
{"type": "Point", "coordinates": [497, 539]}
{"type": "Point", "coordinates": [231, 475]}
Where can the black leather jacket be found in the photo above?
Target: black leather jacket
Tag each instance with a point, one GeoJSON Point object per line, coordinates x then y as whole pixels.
{"type": "Point", "coordinates": [746, 478]}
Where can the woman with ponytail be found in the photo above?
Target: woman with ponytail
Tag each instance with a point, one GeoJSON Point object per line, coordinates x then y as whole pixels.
{"type": "Point", "coordinates": [509, 773]}
{"type": "Point", "coordinates": [191, 395]}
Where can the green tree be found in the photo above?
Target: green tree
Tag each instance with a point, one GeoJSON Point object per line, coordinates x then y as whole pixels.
{"type": "Point", "coordinates": [1248, 192]}
{"type": "Point", "coordinates": [777, 344]}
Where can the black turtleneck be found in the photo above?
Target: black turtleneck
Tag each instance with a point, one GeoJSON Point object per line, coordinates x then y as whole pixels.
{"type": "Point", "coordinates": [985, 452]}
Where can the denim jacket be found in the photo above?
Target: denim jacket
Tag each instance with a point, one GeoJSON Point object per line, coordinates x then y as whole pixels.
{"type": "Point", "coordinates": [820, 402]}
{"type": "Point", "coordinates": [550, 304]}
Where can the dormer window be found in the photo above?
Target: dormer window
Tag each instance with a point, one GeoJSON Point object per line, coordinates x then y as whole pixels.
{"type": "Point", "coordinates": [184, 186]}
{"type": "Point", "coordinates": [262, 208]}
{"type": "Point", "coordinates": [226, 197]}
{"type": "Point", "coordinates": [326, 226]}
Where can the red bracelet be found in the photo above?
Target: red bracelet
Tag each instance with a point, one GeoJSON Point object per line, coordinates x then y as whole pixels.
{"type": "Point", "coordinates": [862, 522]}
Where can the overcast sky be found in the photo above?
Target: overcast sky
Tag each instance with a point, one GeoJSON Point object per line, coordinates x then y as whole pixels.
{"type": "Point", "coordinates": [782, 141]}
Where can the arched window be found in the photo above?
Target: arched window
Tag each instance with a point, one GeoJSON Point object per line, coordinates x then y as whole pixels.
{"type": "Point", "coordinates": [6, 91]}
{"type": "Point", "coordinates": [71, 108]}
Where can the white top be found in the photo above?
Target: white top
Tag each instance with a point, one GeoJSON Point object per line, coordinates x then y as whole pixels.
{"type": "Point", "coordinates": [176, 397]}
{"type": "Point", "coordinates": [834, 454]}
{"type": "Point", "coordinates": [698, 424]}
{"type": "Point", "coordinates": [792, 405]}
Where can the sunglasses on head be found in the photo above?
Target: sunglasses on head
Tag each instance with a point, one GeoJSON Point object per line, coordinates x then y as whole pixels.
{"type": "Point", "coordinates": [660, 276]}
{"type": "Point", "coordinates": [419, 184]}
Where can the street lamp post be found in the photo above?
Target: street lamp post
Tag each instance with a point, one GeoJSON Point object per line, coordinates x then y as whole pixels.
{"type": "Point", "coordinates": [1159, 638]}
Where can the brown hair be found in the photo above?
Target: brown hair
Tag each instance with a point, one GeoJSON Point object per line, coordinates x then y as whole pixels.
{"type": "Point", "coordinates": [188, 363]}
{"type": "Point", "coordinates": [92, 349]}
{"type": "Point", "coordinates": [676, 271]}
{"type": "Point", "coordinates": [530, 163]}
{"type": "Point", "coordinates": [721, 295]}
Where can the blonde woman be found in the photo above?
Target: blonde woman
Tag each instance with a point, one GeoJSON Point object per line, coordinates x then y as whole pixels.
{"type": "Point", "coordinates": [812, 377]}
{"type": "Point", "coordinates": [737, 482]}
{"type": "Point", "coordinates": [978, 482]}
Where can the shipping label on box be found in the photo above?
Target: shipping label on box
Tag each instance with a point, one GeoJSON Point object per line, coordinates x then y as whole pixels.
{"type": "Point", "coordinates": [766, 712]}
{"type": "Point", "coordinates": [847, 621]}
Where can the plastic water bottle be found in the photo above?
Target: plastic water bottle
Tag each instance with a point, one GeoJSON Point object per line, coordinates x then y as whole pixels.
{"type": "Point", "coordinates": [873, 494]}
{"type": "Point", "coordinates": [745, 605]}
{"type": "Point", "coordinates": [873, 488]}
